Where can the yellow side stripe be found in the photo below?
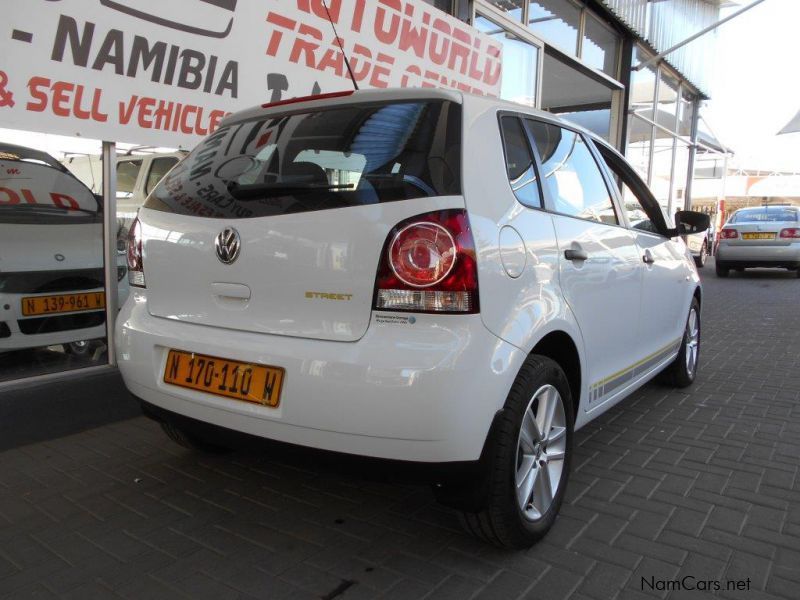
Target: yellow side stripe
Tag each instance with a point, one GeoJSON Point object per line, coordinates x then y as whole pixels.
{"type": "Point", "coordinates": [647, 358]}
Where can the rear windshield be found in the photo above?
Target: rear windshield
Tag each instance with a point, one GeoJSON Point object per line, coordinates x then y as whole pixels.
{"type": "Point", "coordinates": [764, 214]}
{"type": "Point", "coordinates": [346, 156]}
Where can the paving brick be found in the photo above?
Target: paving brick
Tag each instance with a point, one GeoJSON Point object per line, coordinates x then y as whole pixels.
{"type": "Point", "coordinates": [506, 585]}
{"type": "Point", "coordinates": [726, 519]}
{"type": "Point", "coordinates": [687, 521]}
{"type": "Point", "coordinates": [555, 584]}
{"type": "Point", "coordinates": [744, 566]}
{"type": "Point", "coordinates": [651, 549]}
{"type": "Point", "coordinates": [455, 587]}
{"type": "Point", "coordinates": [605, 581]}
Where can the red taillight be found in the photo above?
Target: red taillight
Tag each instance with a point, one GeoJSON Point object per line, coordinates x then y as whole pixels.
{"type": "Point", "coordinates": [428, 265]}
{"type": "Point", "coordinates": [728, 234]}
{"type": "Point", "coordinates": [790, 233]}
{"type": "Point", "coordinates": [135, 266]}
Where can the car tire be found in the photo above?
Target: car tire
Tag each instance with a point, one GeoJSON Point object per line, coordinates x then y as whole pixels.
{"type": "Point", "coordinates": [522, 502]}
{"type": "Point", "coordinates": [700, 261]}
{"type": "Point", "coordinates": [683, 370]}
{"type": "Point", "coordinates": [191, 439]}
{"type": "Point", "coordinates": [722, 271]}
{"type": "Point", "coordinates": [83, 348]}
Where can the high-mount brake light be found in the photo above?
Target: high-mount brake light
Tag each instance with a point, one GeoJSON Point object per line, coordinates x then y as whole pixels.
{"type": "Point", "coordinates": [135, 264]}
{"type": "Point", "coordinates": [428, 265]}
{"type": "Point", "coordinates": [791, 233]}
{"type": "Point", "coordinates": [728, 234]}
{"type": "Point", "coordinates": [308, 98]}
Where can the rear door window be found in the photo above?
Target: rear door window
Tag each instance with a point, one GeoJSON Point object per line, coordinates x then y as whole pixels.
{"type": "Point", "coordinates": [519, 162]}
{"type": "Point", "coordinates": [571, 175]}
{"type": "Point", "coordinates": [158, 168]}
{"type": "Point", "coordinates": [127, 173]}
{"type": "Point", "coordinates": [339, 157]}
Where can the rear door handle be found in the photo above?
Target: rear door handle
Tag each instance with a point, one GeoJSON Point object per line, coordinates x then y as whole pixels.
{"type": "Point", "coordinates": [573, 254]}
{"type": "Point", "coordinates": [648, 258]}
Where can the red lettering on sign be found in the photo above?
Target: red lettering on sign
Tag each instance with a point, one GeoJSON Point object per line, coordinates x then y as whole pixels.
{"type": "Point", "coordinates": [65, 99]}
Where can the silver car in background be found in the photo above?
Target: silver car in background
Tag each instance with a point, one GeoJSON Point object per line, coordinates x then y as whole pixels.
{"type": "Point", "coordinates": [760, 236]}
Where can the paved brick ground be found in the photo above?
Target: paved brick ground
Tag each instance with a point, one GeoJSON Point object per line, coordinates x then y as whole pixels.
{"type": "Point", "coordinates": [701, 483]}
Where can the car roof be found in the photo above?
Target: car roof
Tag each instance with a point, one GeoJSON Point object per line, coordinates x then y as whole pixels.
{"type": "Point", "coordinates": [346, 96]}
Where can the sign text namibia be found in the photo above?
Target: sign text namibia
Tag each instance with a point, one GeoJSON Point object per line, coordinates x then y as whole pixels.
{"type": "Point", "coordinates": [153, 72]}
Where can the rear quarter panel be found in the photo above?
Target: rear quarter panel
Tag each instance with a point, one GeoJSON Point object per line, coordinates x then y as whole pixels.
{"type": "Point", "coordinates": [520, 310]}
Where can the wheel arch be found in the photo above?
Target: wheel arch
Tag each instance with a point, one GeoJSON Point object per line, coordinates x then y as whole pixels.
{"type": "Point", "coordinates": [559, 346]}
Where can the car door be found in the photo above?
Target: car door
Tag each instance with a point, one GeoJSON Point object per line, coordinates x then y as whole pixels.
{"type": "Point", "coordinates": [599, 263]}
{"type": "Point", "coordinates": [667, 268]}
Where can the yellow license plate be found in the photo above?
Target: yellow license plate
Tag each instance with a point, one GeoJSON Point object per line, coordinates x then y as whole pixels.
{"type": "Point", "coordinates": [230, 378]}
{"type": "Point", "coordinates": [62, 303]}
{"type": "Point", "coordinates": [758, 236]}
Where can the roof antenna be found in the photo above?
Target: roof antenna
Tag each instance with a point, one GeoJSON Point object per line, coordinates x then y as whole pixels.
{"type": "Point", "coordinates": [339, 42]}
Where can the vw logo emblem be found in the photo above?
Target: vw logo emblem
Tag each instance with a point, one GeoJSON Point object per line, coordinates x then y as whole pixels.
{"type": "Point", "coordinates": [228, 245]}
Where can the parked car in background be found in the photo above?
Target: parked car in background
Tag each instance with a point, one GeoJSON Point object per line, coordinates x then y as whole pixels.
{"type": "Point", "coordinates": [699, 245]}
{"type": "Point", "coordinates": [51, 255]}
{"type": "Point", "coordinates": [137, 175]}
{"type": "Point", "coordinates": [760, 236]}
{"type": "Point", "coordinates": [413, 274]}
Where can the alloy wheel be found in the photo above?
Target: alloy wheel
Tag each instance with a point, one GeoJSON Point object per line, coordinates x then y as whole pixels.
{"type": "Point", "coordinates": [541, 449]}
{"type": "Point", "coordinates": [692, 341]}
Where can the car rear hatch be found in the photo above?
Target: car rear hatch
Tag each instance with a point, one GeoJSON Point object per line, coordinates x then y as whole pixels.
{"type": "Point", "coordinates": [309, 192]}
{"type": "Point", "coordinates": [762, 226]}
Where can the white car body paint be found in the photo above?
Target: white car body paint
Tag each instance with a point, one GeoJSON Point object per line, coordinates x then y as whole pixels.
{"type": "Point", "coordinates": [385, 384]}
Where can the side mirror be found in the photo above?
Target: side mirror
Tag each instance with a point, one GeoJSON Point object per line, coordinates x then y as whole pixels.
{"type": "Point", "coordinates": [689, 222]}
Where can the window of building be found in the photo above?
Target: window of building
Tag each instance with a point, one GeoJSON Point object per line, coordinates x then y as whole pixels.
{"type": "Point", "coordinates": [643, 86]}
{"type": "Point", "coordinates": [573, 179]}
{"type": "Point", "coordinates": [519, 163]}
{"type": "Point", "coordinates": [556, 21]}
{"type": "Point", "coordinates": [667, 107]}
{"type": "Point", "coordinates": [520, 63]}
{"type": "Point", "coordinates": [600, 48]}
{"type": "Point", "coordinates": [444, 5]}
{"type": "Point", "coordinates": [514, 8]}
{"type": "Point", "coordinates": [686, 113]}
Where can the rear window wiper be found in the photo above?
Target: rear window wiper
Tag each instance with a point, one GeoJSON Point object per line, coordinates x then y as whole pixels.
{"type": "Point", "coordinates": [256, 191]}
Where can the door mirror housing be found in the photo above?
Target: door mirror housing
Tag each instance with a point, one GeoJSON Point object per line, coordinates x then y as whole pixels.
{"type": "Point", "coordinates": [689, 222]}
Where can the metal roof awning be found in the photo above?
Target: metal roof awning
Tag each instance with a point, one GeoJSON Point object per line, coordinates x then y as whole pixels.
{"type": "Point", "coordinates": [793, 126]}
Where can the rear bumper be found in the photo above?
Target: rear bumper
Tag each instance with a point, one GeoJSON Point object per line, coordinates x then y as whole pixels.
{"type": "Point", "coordinates": [759, 256]}
{"type": "Point", "coordinates": [425, 391]}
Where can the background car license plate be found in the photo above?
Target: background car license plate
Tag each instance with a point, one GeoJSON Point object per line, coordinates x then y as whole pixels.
{"type": "Point", "coordinates": [758, 236]}
{"type": "Point", "coordinates": [43, 305]}
{"type": "Point", "coordinates": [223, 377]}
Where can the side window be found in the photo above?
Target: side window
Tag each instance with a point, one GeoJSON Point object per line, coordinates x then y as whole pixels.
{"type": "Point", "coordinates": [640, 214]}
{"type": "Point", "coordinates": [571, 175]}
{"type": "Point", "coordinates": [127, 172]}
{"type": "Point", "coordinates": [519, 163]}
{"type": "Point", "coordinates": [158, 168]}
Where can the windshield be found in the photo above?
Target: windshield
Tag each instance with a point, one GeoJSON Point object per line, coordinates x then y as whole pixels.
{"type": "Point", "coordinates": [339, 157]}
{"type": "Point", "coordinates": [35, 193]}
{"type": "Point", "coordinates": [764, 214]}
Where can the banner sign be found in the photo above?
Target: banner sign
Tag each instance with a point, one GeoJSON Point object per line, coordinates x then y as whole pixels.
{"type": "Point", "coordinates": [164, 73]}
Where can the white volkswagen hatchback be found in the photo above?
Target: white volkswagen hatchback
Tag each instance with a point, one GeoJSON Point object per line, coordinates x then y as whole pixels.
{"type": "Point", "coordinates": [408, 274]}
